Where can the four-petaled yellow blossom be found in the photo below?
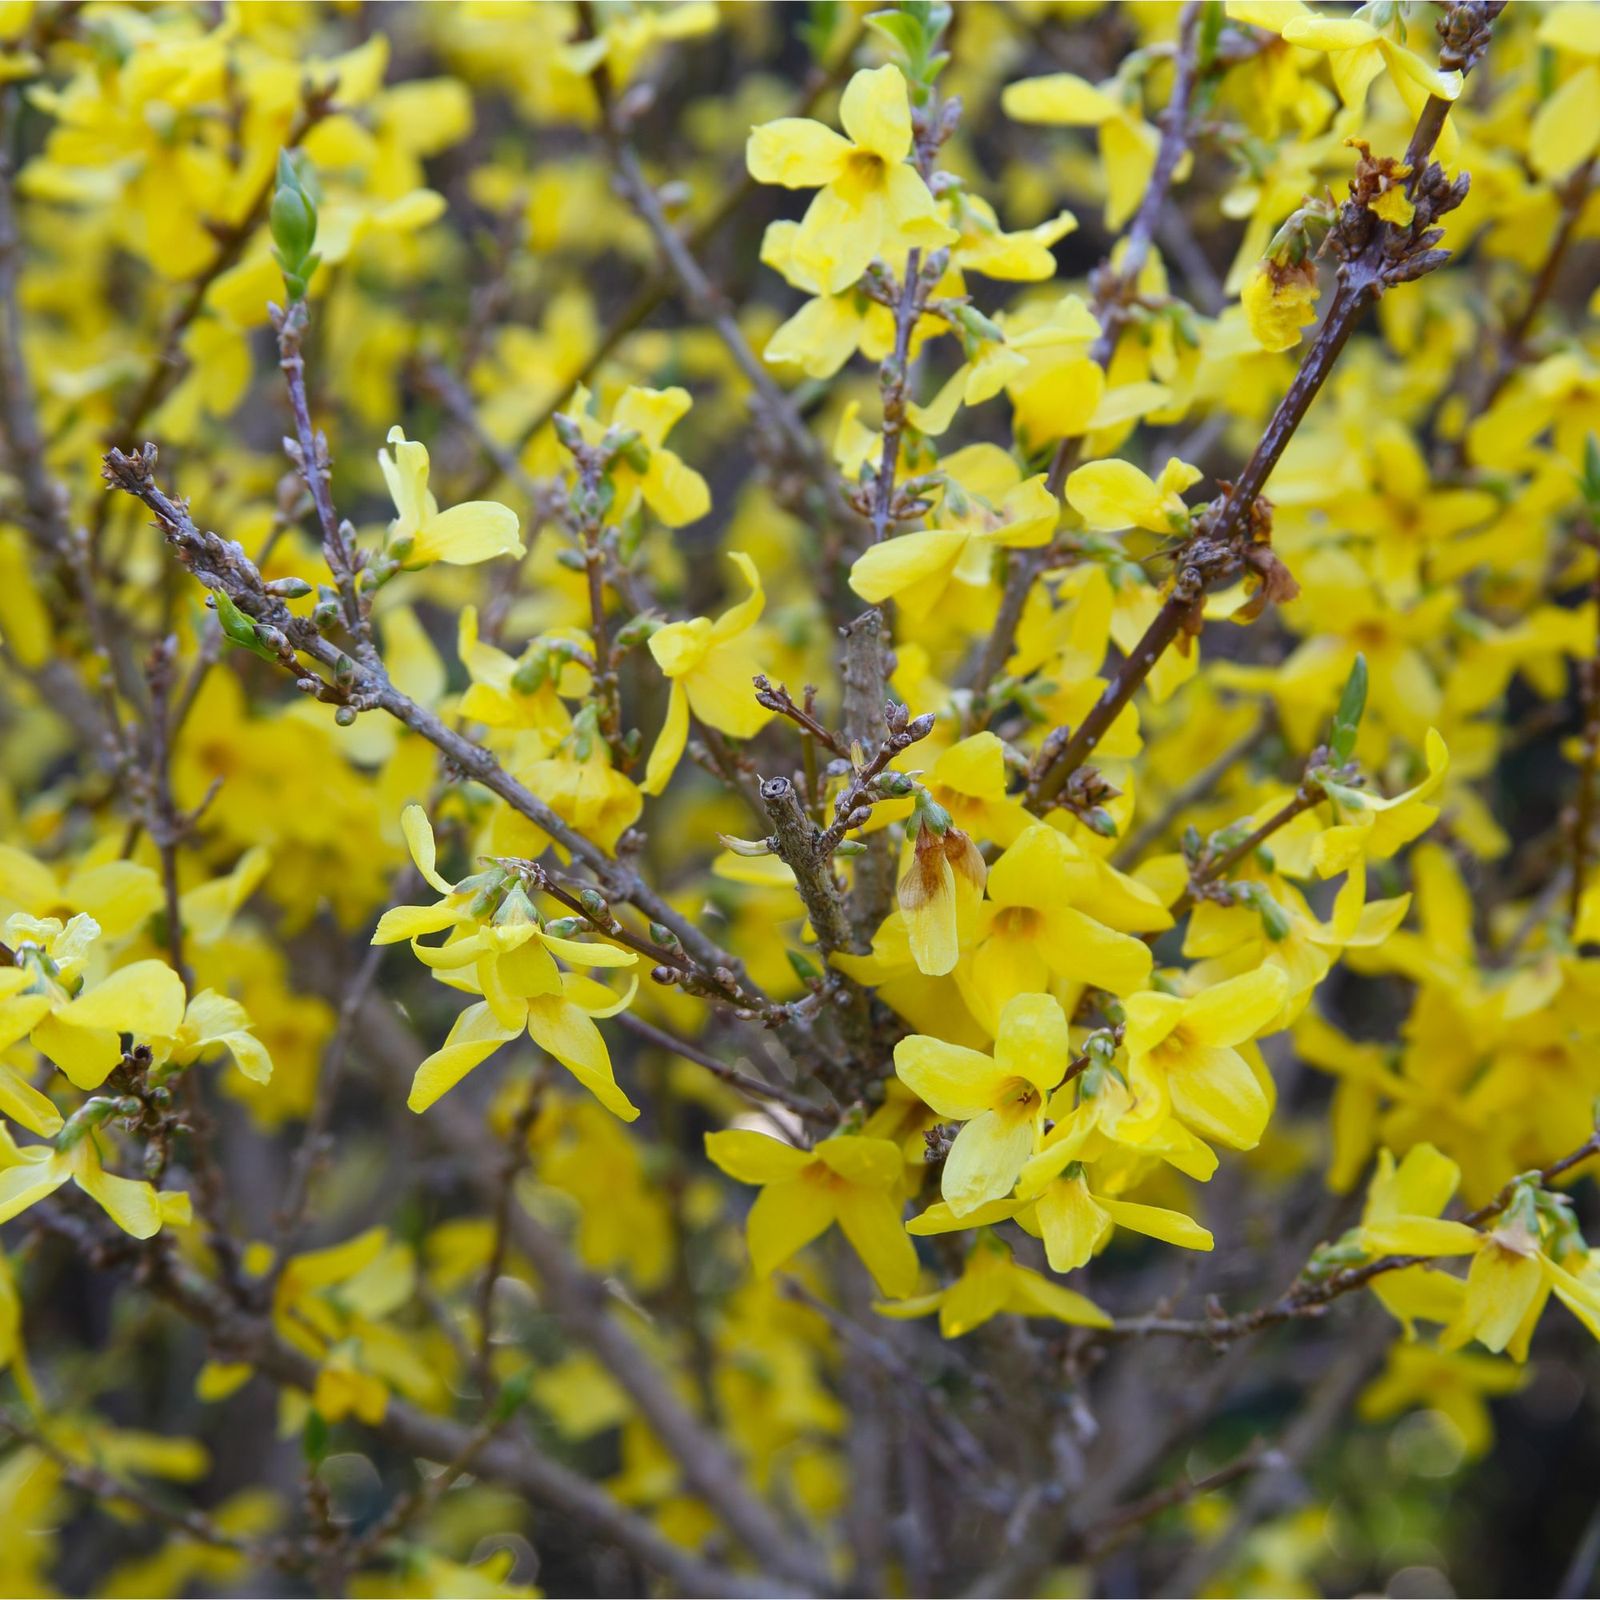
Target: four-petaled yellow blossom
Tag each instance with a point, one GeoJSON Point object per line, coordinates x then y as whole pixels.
{"type": "Point", "coordinates": [870, 203]}
{"type": "Point", "coordinates": [987, 506]}
{"type": "Point", "coordinates": [31, 1173]}
{"type": "Point", "coordinates": [506, 956]}
{"type": "Point", "coordinates": [1110, 495]}
{"type": "Point", "coordinates": [998, 1099]}
{"type": "Point", "coordinates": [1183, 1056]}
{"type": "Point", "coordinates": [848, 1179]}
{"type": "Point", "coordinates": [1359, 50]}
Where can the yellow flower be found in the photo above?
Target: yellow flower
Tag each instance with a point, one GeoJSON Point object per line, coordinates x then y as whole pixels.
{"type": "Point", "coordinates": [869, 202]}
{"type": "Point", "coordinates": [1128, 143]}
{"type": "Point", "coordinates": [511, 957]}
{"type": "Point", "coordinates": [212, 1021]}
{"type": "Point", "coordinates": [1565, 129]}
{"type": "Point", "coordinates": [1401, 1215]}
{"type": "Point", "coordinates": [1448, 1382]}
{"type": "Point", "coordinates": [849, 1180]}
{"type": "Point", "coordinates": [991, 1284]}
{"type": "Point", "coordinates": [988, 505]}
{"type": "Point", "coordinates": [1055, 911]}
{"type": "Point", "coordinates": [1382, 826]}
{"type": "Point", "coordinates": [1511, 1276]}
{"type": "Point", "coordinates": [829, 328]}
{"type": "Point", "coordinates": [1182, 1055]}
{"type": "Point", "coordinates": [119, 895]}
{"type": "Point", "coordinates": [710, 666]}
{"type": "Point", "coordinates": [1358, 51]}
{"type": "Point", "coordinates": [672, 489]}
{"type": "Point", "coordinates": [998, 1099]}
{"type": "Point", "coordinates": [331, 1305]}
{"type": "Point", "coordinates": [626, 35]}
{"type": "Point", "coordinates": [83, 1036]}
{"type": "Point", "coordinates": [1023, 257]}
{"type": "Point", "coordinates": [1111, 495]}
{"type": "Point", "coordinates": [938, 894]}
{"type": "Point", "coordinates": [422, 534]}
{"type": "Point", "coordinates": [1278, 302]}
{"type": "Point", "coordinates": [1058, 1207]}
{"type": "Point", "coordinates": [30, 1173]}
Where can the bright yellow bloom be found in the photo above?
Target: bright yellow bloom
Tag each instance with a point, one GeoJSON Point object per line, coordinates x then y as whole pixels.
{"type": "Point", "coordinates": [998, 1099]}
{"type": "Point", "coordinates": [213, 1021]}
{"type": "Point", "coordinates": [422, 534]}
{"type": "Point", "coordinates": [1111, 495]}
{"type": "Point", "coordinates": [992, 1284]}
{"type": "Point", "coordinates": [331, 1305]}
{"type": "Point", "coordinates": [83, 1036]}
{"type": "Point", "coordinates": [1358, 51]}
{"type": "Point", "coordinates": [31, 1173]}
{"type": "Point", "coordinates": [1128, 143]}
{"type": "Point", "coordinates": [710, 666]}
{"type": "Point", "coordinates": [993, 508]}
{"type": "Point", "coordinates": [1183, 1056]}
{"type": "Point", "coordinates": [1056, 911]}
{"type": "Point", "coordinates": [1278, 302]}
{"type": "Point", "coordinates": [117, 894]}
{"type": "Point", "coordinates": [511, 960]}
{"type": "Point", "coordinates": [1059, 1207]}
{"type": "Point", "coordinates": [870, 202]}
{"type": "Point", "coordinates": [849, 1180]}
{"type": "Point", "coordinates": [666, 483]}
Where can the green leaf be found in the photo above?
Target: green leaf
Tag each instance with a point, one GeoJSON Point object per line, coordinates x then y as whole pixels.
{"type": "Point", "coordinates": [239, 628]}
{"type": "Point", "coordinates": [1589, 478]}
{"type": "Point", "coordinates": [902, 32]}
{"type": "Point", "coordinates": [1211, 20]}
{"type": "Point", "coordinates": [314, 1440]}
{"type": "Point", "coordinates": [1347, 719]}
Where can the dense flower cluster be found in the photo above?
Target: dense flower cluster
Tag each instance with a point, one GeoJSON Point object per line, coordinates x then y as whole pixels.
{"type": "Point", "coordinates": [939, 673]}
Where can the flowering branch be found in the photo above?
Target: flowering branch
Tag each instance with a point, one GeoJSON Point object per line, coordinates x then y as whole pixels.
{"type": "Point", "coordinates": [1374, 255]}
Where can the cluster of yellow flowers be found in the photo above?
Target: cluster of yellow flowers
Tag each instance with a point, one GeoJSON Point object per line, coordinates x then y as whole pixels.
{"type": "Point", "coordinates": [943, 729]}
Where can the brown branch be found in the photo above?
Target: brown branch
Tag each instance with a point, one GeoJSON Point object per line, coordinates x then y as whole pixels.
{"type": "Point", "coordinates": [222, 567]}
{"type": "Point", "coordinates": [1311, 1296]}
{"type": "Point", "coordinates": [517, 1464]}
{"type": "Point", "coordinates": [1117, 1526]}
{"type": "Point", "coordinates": [582, 1303]}
{"type": "Point", "coordinates": [511, 1168]}
{"type": "Point", "coordinates": [1303, 799]}
{"type": "Point", "coordinates": [777, 698]}
{"type": "Point", "coordinates": [1111, 287]}
{"type": "Point", "coordinates": [310, 456]}
{"type": "Point", "coordinates": [108, 1492]}
{"type": "Point", "coordinates": [1374, 256]}
{"type": "Point", "coordinates": [757, 1089]}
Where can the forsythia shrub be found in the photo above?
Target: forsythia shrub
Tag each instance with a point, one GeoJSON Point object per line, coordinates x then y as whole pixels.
{"type": "Point", "coordinates": [798, 799]}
